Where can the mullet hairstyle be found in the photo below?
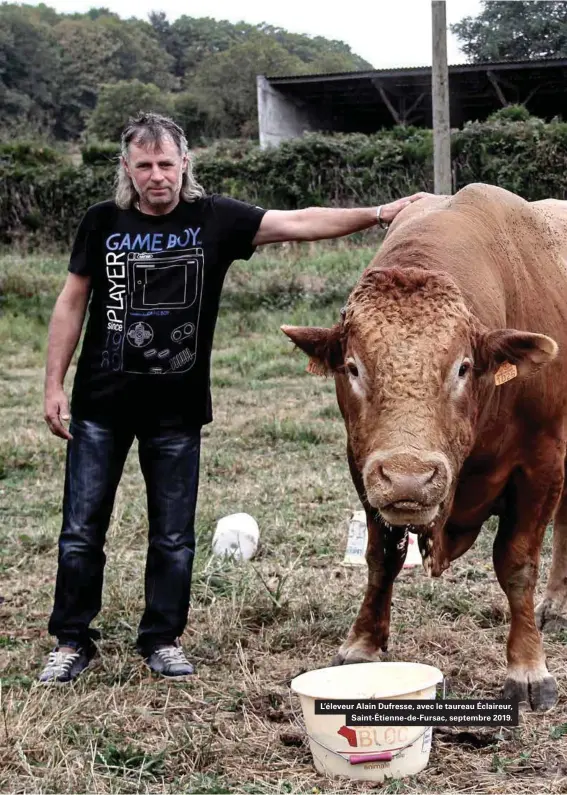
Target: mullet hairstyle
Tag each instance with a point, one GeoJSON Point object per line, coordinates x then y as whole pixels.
{"type": "Point", "coordinates": [151, 129]}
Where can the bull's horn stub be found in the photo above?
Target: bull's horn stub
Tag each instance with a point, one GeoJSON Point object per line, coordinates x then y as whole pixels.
{"type": "Point", "coordinates": [505, 372]}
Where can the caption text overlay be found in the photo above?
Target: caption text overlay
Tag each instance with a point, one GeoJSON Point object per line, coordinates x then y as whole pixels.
{"type": "Point", "coordinates": [428, 712]}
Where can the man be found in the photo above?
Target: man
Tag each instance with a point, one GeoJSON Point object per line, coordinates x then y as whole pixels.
{"type": "Point", "coordinates": [152, 263]}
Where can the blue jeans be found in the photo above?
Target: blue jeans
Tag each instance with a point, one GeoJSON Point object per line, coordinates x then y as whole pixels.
{"type": "Point", "coordinates": [169, 459]}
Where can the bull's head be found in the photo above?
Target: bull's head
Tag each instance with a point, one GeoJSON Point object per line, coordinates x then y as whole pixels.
{"type": "Point", "coordinates": [414, 372]}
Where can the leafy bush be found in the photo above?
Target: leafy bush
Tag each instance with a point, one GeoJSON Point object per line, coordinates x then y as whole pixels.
{"type": "Point", "coordinates": [528, 158]}
{"type": "Point", "coordinates": [324, 169]}
{"type": "Point", "coordinates": [26, 154]}
{"type": "Point", "coordinates": [100, 154]}
{"type": "Point", "coordinates": [44, 204]}
{"type": "Point", "coordinates": [511, 113]}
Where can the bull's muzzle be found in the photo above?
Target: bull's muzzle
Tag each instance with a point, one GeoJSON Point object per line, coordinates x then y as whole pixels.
{"type": "Point", "coordinates": [406, 487]}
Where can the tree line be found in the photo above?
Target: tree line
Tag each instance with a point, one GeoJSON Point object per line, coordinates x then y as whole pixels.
{"type": "Point", "coordinates": [67, 75]}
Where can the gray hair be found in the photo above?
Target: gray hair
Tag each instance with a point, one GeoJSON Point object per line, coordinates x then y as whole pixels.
{"type": "Point", "coordinates": [151, 129]}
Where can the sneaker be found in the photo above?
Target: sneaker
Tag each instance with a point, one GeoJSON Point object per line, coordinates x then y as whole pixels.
{"type": "Point", "coordinates": [169, 661]}
{"type": "Point", "coordinates": [64, 666]}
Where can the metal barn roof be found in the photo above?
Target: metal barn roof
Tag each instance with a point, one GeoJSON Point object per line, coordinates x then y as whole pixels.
{"type": "Point", "coordinates": [367, 101]}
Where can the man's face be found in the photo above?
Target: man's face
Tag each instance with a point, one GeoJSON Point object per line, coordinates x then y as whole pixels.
{"type": "Point", "coordinates": [156, 174]}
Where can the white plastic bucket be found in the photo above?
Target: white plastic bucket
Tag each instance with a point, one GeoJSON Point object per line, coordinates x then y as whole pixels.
{"type": "Point", "coordinates": [236, 536]}
{"type": "Point", "coordinates": [369, 753]}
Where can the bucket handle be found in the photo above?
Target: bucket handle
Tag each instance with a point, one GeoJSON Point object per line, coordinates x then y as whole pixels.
{"type": "Point", "coordinates": [360, 759]}
{"type": "Point", "coordinates": [379, 756]}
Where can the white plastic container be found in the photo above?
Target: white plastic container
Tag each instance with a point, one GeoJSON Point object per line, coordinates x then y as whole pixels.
{"type": "Point", "coordinates": [357, 540]}
{"type": "Point", "coordinates": [367, 753]}
{"type": "Point", "coordinates": [236, 536]}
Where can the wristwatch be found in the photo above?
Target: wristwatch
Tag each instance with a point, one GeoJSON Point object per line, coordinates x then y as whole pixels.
{"type": "Point", "coordinates": [381, 222]}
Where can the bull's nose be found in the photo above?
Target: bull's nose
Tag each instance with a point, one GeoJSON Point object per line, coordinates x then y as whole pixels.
{"type": "Point", "coordinates": [405, 481]}
{"type": "Point", "coordinates": [392, 477]}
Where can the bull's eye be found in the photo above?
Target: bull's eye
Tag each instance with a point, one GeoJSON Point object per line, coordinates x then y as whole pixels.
{"type": "Point", "coordinates": [352, 368]}
{"type": "Point", "coordinates": [464, 368]}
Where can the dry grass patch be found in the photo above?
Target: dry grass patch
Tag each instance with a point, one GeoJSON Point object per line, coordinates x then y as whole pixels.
{"type": "Point", "coordinates": [276, 450]}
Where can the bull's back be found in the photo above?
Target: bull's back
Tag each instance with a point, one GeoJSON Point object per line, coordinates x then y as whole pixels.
{"type": "Point", "coordinates": [508, 256]}
{"type": "Point", "coordinates": [554, 211]}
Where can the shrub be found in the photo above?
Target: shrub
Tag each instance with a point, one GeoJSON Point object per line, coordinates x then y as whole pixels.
{"type": "Point", "coordinates": [28, 155]}
{"type": "Point", "coordinates": [43, 206]}
{"type": "Point", "coordinates": [100, 154]}
{"type": "Point", "coordinates": [528, 158]}
{"type": "Point", "coordinates": [511, 113]}
{"type": "Point", "coordinates": [44, 203]}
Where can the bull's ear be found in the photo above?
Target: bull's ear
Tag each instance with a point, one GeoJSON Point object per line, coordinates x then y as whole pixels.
{"type": "Point", "coordinates": [322, 345]}
{"type": "Point", "coordinates": [527, 352]}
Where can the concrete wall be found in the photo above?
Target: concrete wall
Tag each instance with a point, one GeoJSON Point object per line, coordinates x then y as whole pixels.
{"type": "Point", "coordinates": [279, 116]}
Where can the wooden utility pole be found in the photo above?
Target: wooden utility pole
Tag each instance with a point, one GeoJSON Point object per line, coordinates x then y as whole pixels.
{"type": "Point", "coordinates": [440, 100]}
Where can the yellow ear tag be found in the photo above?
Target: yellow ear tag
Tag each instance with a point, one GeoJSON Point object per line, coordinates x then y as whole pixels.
{"type": "Point", "coordinates": [315, 367]}
{"type": "Point", "coordinates": [505, 372]}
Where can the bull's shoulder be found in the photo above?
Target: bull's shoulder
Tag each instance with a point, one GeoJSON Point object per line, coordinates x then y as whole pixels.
{"type": "Point", "coordinates": [475, 200]}
{"type": "Point", "coordinates": [483, 194]}
{"type": "Point", "coordinates": [417, 210]}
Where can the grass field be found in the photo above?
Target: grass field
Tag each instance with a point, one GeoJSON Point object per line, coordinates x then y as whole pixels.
{"type": "Point", "coordinates": [275, 450]}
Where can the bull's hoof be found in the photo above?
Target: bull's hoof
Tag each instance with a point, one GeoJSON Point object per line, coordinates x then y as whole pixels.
{"type": "Point", "coordinates": [539, 694]}
{"type": "Point", "coordinates": [350, 656]}
{"type": "Point", "coordinates": [549, 617]}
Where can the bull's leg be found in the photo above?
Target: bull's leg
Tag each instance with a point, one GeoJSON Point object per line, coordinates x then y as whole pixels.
{"type": "Point", "coordinates": [551, 613]}
{"type": "Point", "coordinates": [385, 555]}
{"type": "Point", "coordinates": [516, 558]}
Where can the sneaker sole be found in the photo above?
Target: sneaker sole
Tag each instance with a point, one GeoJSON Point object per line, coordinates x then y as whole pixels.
{"type": "Point", "coordinates": [64, 681]}
{"type": "Point", "coordinates": [169, 677]}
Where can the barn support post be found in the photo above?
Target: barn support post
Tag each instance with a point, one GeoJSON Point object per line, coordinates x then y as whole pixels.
{"type": "Point", "coordinates": [496, 86]}
{"type": "Point", "coordinates": [386, 100]}
{"type": "Point", "coordinates": [440, 100]}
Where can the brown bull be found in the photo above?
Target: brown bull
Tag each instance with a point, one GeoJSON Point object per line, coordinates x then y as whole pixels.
{"type": "Point", "coordinates": [450, 364]}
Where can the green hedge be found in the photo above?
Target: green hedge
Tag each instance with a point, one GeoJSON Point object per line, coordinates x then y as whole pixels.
{"type": "Point", "coordinates": [98, 154]}
{"type": "Point", "coordinates": [44, 203]}
{"type": "Point", "coordinates": [528, 158]}
{"type": "Point", "coordinates": [44, 206]}
{"type": "Point", "coordinates": [27, 155]}
{"type": "Point", "coordinates": [320, 169]}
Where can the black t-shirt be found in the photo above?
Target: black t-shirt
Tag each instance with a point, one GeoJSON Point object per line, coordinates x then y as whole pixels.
{"type": "Point", "coordinates": [156, 285]}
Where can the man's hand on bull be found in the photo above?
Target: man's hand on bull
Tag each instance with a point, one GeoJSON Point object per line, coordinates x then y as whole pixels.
{"type": "Point", "coordinates": [387, 212]}
{"type": "Point", "coordinates": [320, 223]}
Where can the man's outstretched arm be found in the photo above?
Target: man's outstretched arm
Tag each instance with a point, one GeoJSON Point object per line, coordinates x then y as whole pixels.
{"type": "Point", "coordinates": [320, 223]}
